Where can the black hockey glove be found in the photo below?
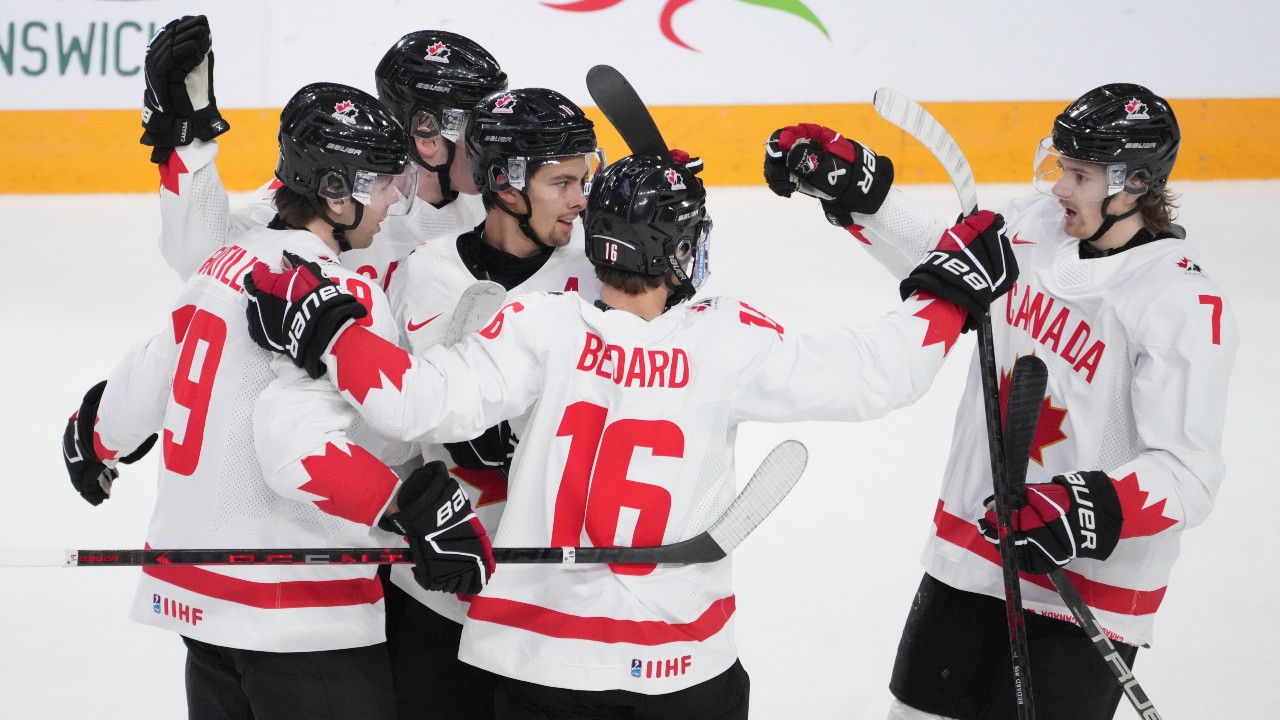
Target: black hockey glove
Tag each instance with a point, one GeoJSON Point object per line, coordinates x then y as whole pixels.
{"type": "Point", "coordinates": [178, 105]}
{"type": "Point", "coordinates": [297, 311]}
{"type": "Point", "coordinates": [818, 161]}
{"type": "Point", "coordinates": [89, 475]}
{"type": "Point", "coordinates": [1074, 515]}
{"type": "Point", "coordinates": [450, 548]}
{"type": "Point", "coordinates": [972, 266]}
{"type": "Point", "coordinates": [491, 451]}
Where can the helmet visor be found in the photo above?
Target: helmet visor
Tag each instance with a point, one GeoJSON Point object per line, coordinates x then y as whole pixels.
{"type": "Point", "coordinates": [396, 192]}
{"type": "Point", "coordinates": [1086, 180]}
{"type": "Point", "coordinates": [448, 123]}
{"type": "Point", "coordinates": [693, 254]}
{"type": "Point", "coordinates": [521, 169]}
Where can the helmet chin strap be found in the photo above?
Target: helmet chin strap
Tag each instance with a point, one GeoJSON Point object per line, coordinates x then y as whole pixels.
{"type": "Point", "coordinates": [522, 219]}
{"type": "Point", "coordinates": [340, 230]}
{"type": "Point", "coordinates": [1109, 220]}
{"type": "Point", "coordinates": [679, 284]}
{"type": "Point", "coordinates": [442, 173]}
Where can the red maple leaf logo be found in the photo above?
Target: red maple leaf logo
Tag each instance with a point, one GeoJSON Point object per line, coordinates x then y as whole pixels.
{"type": "Point", "coordinates": [945, 320]}
{"type": "Point", "coordinates": [354, 486]}
{"type": "Point", "coordinates": [344, 106]}
{"type": "Point", "coordinates": [1048, 427]}
{"type": "Point", "coordinates": [436, 48]}
{"type": "Point", "coordinates": [490, 483]}
{"type": "Point", "coordinates": [364, 359]}
{"type": "Point", "coordinates": [1140, 520]}
{"type": "Point", "coordinates": [856, 231]}
{"type": "Point", "coordinates": [171, 171]}
{"type": "Point", "coordinates": [504, 101]}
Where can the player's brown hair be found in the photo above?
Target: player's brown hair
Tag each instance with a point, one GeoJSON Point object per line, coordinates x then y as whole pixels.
{"type": "Point", "coordinates": [294, 209]}
{"type": "Point", "coordinates": [1158, 211]}
{"type": "Point", "coordinates": [628, 282]}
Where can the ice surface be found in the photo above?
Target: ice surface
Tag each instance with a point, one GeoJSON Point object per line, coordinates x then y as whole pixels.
{"type": "Point", "coordinates": [823, 585]}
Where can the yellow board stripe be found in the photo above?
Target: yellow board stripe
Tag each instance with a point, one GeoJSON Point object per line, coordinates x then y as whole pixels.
{"type": "Point", "coordinates": [69, 151]}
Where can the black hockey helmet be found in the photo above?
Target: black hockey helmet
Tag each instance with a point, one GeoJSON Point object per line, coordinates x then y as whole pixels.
{"type": "Point", "coordinates": [1127, 128]}
{"type": "Point", "coordinates": [337, 142]}
{"type": "Point", "coordinates": [430, 80]}
{"type": "Point", "coordinates": [512, 133]}
{"type": "Point", "coordinates": [648, 215]}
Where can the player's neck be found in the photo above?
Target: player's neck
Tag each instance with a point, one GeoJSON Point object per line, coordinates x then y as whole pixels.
{"type": "Point", "coordinates": [324, 231]}
{"type": "Point", "coordinates": [503, 232]}
{"type": "Point", "coordinates": [429, 188]}
{"type": "Point", "coordinates": [648, 305]}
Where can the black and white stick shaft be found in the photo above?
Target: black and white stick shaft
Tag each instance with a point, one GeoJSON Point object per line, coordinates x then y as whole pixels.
{"type": "Point", "coordinates": [908, 115]}
{"type": "Point", "coordinates": [769, 484]}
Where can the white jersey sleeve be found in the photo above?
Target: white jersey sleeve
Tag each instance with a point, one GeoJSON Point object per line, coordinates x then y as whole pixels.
{"type": "Point", "coordinates": [309, 440]}
{"type": "Point", "coordinates": [195, 215]}
{"type": "Point", "coordinates": [899, 234]}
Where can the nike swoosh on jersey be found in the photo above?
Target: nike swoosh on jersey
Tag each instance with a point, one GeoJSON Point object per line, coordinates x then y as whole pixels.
{"type": "Point", "coordinates": [1019, 241]}
{"type": "Point", "coordinates": [418, 326]}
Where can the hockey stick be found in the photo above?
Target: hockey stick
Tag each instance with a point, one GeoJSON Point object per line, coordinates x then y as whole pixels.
{"type": "Point", "coordinates": [906, 114]}
{"type": "Point", "coordinates": [769, 484]}
{"type": "Point", "coordinates": [1026, 396]}
{"type": "Point", "coordinates": [626, 111]}
{"type": "Point", "coordinates": [477, 305]}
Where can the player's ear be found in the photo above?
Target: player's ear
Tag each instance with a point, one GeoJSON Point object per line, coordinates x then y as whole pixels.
{"type": "Point", "coordinates": [513, 199]}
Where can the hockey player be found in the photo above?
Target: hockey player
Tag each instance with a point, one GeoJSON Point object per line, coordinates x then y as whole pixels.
{"type": "Point", "coordinates": [429, 79]}
{"type": "Point", "coordinates": [1139, 342]}
{"type": "Point", "coordinates": [530, 151]}
{"type": "Point", "coordinates": [271, 641]}
{"type": "Point", "coordinates": [634, 402]}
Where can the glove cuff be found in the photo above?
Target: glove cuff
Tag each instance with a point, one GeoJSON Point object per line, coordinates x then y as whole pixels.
{"type": "Point", "coordinates": [1096, 513]}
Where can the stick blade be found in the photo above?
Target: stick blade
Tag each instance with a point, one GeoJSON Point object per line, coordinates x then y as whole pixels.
{"type": "Point", "coordinates": [769, 484]}
{"type": "Point", "coordinates": [907, 114]}
{"type": "Point", "coordinates": [477, 305]}
{"type": "Point", "coordinates": [625, 110]}
{"type": "Point", "coordinates": [37, 558]}
{"type": "Point", "coordinates": [1026, 397]}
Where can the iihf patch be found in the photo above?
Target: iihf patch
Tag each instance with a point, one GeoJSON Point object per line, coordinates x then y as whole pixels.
{"type": "Point", "coordinates": [635, 667]}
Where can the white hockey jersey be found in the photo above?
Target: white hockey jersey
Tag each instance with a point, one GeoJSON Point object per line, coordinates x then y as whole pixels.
{"type": "Point", "coordinates": [629, 441]}
{"type": "Point", "coordinates": [1139, 347]}
{"type": "Point", "coordinates": [195, 383]}
{"type": "Point", "coordinates": [196, 218]}
{"type": "Point", "coordinates": [430, 282]}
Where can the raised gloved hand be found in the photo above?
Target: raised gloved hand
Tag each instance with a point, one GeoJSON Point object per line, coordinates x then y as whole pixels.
{"type": "Point", "coordinates": [450, 548]}
{"type": "Point", "coordinates": [491, 451]}
{"type": "Point", "coordinates": [297, 311]}
{"type": "Point", "coordinates": [179, 105]}
{"type": "Point", "coordinates": [818, 161]}
{"type": "Point", "coordinates": [90, 476]}
{"type": "Point", "coordinates": [972, 266]}
{"type": "Point", "coordinates": [1073, 515]}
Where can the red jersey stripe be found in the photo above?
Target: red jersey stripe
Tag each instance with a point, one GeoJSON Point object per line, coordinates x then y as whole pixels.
{"type": "Point", "coordinates": [553, 623]}
{"type": "Point", "coordinates": [1100, 596]}
{"type": "Point", "coordinates": [266, 595]}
